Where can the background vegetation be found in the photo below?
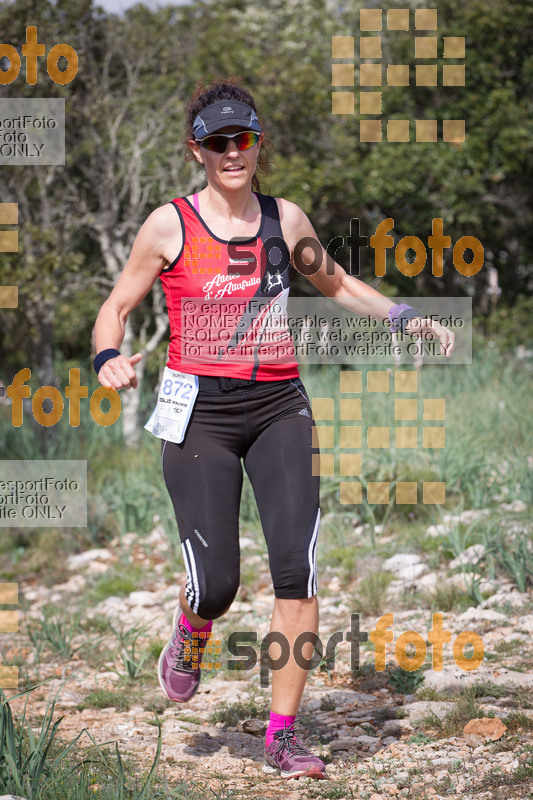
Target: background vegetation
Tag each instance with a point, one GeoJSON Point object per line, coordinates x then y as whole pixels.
{"type": "Point", "coordinates": [125, 114]}
{"type": "Point", "coordinates": [124, 157]}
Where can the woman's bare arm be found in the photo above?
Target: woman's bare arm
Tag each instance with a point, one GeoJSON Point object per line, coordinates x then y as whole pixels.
{"type": "Point", "coordinates": [333, 281]}
{"type": "Point", "coordinates": [156, 245]}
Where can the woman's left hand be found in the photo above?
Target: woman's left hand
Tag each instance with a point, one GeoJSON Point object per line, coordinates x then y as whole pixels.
{"type": "Point", "coordinates": [420, 325]}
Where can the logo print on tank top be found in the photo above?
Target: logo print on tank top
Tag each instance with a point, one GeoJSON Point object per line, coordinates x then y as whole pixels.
{"type": "Point", "coordinates": [272, 281]}
{"type": "Point", "coordinates": [200, 249]}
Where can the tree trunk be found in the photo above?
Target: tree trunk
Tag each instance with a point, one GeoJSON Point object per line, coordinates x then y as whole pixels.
{"type": "Point", "coordinates": [131, 431]}
{"type": "Point", "coordinates": [44, 349]}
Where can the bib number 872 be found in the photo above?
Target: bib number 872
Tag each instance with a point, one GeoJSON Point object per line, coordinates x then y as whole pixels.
{"type": "Point", "coordinates": [168, 385]}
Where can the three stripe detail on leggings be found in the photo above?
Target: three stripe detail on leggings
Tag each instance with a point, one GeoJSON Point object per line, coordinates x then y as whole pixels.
{"type": "Point", "coordinates": [311, 555]}
{"type": "Point", "coordinates": [192, 589]}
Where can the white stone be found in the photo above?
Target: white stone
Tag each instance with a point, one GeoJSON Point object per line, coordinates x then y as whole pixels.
{"type": "Point", "coordinates": [142, 599]}
{"type": "Point", "coordinates": [128, 539]}
{"type": "Point", "coordinates": [526, 623]}
{"type": "Point", "coordinates": [247, 541]}
{"type": "Point", "coordinates": [411, 573]}
{"type": "Point", "coordinates": [112, 606]}
{"type": "Point", "coordinates": [83, 559]}
{"type": "Point", "coordinates": [36, 593]}
{"type": "Point", "coordinates": [463, 582]}
{"type": "Point", "coordinates": [400, 561]}
{"type": "Point", "coordinates": [106, 676]}
{"type": "Point", "coordinates": [11, 797]}
{"type": "Point", "coordinates": [158, 538]}
{"type": "Point", "coordinates": [473, 616]}
{"type": "Point", "coordinates": [516, 507]}
{"type": "Point", "coordinates": [453, 677]}
{"type": "Point", "coordinates": [487, 586]}
{"type": "Point", "coordinates": [429, 581]}
{"type": "Point", "coordinates": [469, 556]}
{"type": "Point", "coordinates": [422, 708]}
{"type": "Point", "coordinates": [471, 515]}
{"type": "Point", "coordinates": [74, 584]}
{"type": "Point", "coordinates": [240, 606]}
{"type": "Point", "coordinates": [97, 568]}
{"type": "Point", "coordinates": [438, 530]}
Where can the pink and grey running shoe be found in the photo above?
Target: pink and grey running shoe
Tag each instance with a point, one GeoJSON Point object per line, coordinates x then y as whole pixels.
{"type": "Point", "coordinates": [178, 670]}
{"type": "Point", "coordinates": [287, 756]}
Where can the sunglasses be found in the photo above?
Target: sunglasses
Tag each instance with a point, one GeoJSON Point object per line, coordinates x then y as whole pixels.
{"type": "Point", "coordinates": [218, 143]}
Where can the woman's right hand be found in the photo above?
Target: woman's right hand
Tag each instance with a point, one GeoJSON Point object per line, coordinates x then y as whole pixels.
{"type": "Point", "coordinates": [118, 372]}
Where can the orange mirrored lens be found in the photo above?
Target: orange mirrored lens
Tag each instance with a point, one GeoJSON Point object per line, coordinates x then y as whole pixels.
{"type": "Point", "coordinates": [242, 140]}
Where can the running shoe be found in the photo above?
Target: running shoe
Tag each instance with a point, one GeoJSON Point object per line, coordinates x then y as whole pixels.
{"type": "Point", "coordinates": [287, 756]}
{"type": "Point", "coordinates": [179, 675]}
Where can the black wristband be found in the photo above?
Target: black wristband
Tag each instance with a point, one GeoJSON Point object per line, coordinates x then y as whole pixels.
{"type": "Point", "coordinates": [103, 356]}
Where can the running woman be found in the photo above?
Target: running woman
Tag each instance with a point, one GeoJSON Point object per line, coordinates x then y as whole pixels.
{"type": "Point", "coordinates": [231, 393]}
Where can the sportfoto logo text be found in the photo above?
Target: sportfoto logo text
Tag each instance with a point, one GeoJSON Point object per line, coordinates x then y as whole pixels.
{"type": "Point", "coordinates": [74, 392]}
{"type": "Point", "coordinates": [239, 644]}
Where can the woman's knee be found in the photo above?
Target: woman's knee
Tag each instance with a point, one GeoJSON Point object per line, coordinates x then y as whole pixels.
{"type": "Point", "coordinates": [216, 603]}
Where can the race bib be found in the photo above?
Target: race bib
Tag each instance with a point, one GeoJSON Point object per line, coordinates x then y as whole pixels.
{"type": "Point", "coordinates": [177, 394]}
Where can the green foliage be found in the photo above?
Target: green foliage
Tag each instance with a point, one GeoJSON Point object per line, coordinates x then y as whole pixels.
{"type": "Point", "coordinates": [128, 648]}
{"type": "Point", "coordinates": [428, 693]}
{"type": "Point", "coordinates": [133, 80]}
{"type": "Point", "coordinates": [512, 553]}
{"type": "Point", "coordinates": [465, 708]}
{"type": "Point", "coordinates": [372, 591]}
{"type": "Point", "coordinates": [233, 713]}
{"type": "Point", "coordinates": [518, 721]}
{"type": "Point", "coordinates": [44, 767]}
{"type": "Point", "coordinates": [447, 596]}
{"type": "Point", "coordinates": [338, 791]}
{"type": "Point", "coordinates": [105, 698]}
{"type": "Point", "coordinates": [404, 681]}
{"type": "Point", "coordinates": [420, 738]}
{"type": "Point", "coordinates": [117, 581]}
{"type": "Point", "coordinates": [26, 763]}
{"type": "Point", "coordinates": [510, 325]}
{"type": "Point", "coordinates": [56, 632]}
{"type": "Point", "coordinates": [516, 557]}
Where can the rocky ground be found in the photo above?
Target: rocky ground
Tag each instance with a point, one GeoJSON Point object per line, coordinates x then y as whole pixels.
{"type": "Point", "coordinates": [383, 736]}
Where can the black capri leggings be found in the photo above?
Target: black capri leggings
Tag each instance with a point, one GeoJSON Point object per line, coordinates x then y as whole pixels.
{"type": "Point", "coordinates": [269, 425]}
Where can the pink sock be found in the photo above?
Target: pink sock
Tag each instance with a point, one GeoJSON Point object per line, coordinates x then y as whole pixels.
{"type": "Point", "coordinates": [277, 723]}
{"type": "Point", "coordinates": [184, 621]}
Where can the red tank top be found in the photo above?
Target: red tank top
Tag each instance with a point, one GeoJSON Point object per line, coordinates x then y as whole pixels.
{"type": "Point", "coordinates": [227, 301]}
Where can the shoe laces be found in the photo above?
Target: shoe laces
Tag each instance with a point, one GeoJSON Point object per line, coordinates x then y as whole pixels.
{"type": "Point", "coordinates": [184, 650]}
{"type": "Point", "coordinates": [286, 740]}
